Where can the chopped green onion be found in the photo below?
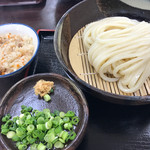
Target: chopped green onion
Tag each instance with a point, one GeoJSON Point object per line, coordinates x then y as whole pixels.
{"type": "Point", "coordinates": [23, 106]}
{"type": "Point", "coordinates": [25, 141]}
{"type": "Point", "coordinates": [40, 120]}
{"type": "Point", "coordinates": [50, 137]}
{"type": "Point", "coordinates": [48, 124]}
{"type": "Point", "coordinates": [30, 139]}
{"type": "Point", "coordinates": [9, 123]}
{"type": "Point", "coordinates": [66, 119]}
{"type": "Point", "coordinates": [64, 135]}
{"type": "Point", "coordinates": [55, 140]}
{"type": "Point", "coordinates": [70, 114]}
{"type": "Point", "coordinates": [18, 143]}
{"type": "Point", "coordinates": [47, 113]}
{"type": "Point", "coordinates": [55, 122]}
{"type": "Point", "coordinates": [21, 116]}
{"type": "Point", "coordinates": [62, 114]}
{"type": "Point", "coordinates": [46, 110]}
{"type": "Point", "coordinates": [26, 109]}
{"type": "Point", "coordinates": [72, 135]}
{"type": "Point", "coordinates": [39, 114]}
{"type": "Point", "coordinates": [34, 146]}
{"type": "Point", "coordinates": [20, 131]}
{"type": "Point", "coordinates": [52, 114]}
{"type": "Point", "coordinates": [47, 137]}
{"type": "Point", "coordinates": [49, 145]}
{"type": "Point", "coordinates": [10, 134]}
{"type": "Point", "coordinates": [19, 122]}
{"type": "Point", "coordinates": [15, 138]}
{"type": "Point", "coordinates": [40, 129]}
{"type": "Point", "coordinates": [6, 118]}
{"type": "Point", "coordinates": [13, 128]}
{"type": "Point", "coordinates": [30, 128]}
{"type": "Point", "coordinates": [56, 113]}
{"type": "Point", "coordinates": [27, 113]}
{"type": "Point", "coordinates": [15, 118]}
{"type": "Point", "coordinates": [47, 97]}
{"type": "Point", "coordinates": [36, 133]}
{"type": "Point", "coordinates": [61, 122]}
{"type": "Point", "coordinates": [52, 130]}
{"type": "Point", "coordinates": [41, 146]}
{"type": "Point", "coordinates": [61, 140]}
{"type": "Point", "coordinates": [22, 147]}
{"type": "Point", "coordinates": [29, 121]}
{"type": "Point", "coordinates": [75, 120]}
{"type": "Point", "coordinates": [58, 144]}
{"type": "Point", "coordinates": [68, 126]}
{"type": "Point", "coordinates": [4, 131]}
{"type": "Point", "coordinates": [52, 90]}
{"type": "Point", "coordinates": [28, 117]}
{"type": "Point", "coordinates": [41, 136]}
{"type": "Point", "coordinates": [58, 129]}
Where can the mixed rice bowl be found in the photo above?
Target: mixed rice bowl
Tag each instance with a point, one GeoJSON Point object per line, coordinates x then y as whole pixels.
{"type": "Point", "coordinates": [15, 52]}
{"type": "Point", "coordinates": [18, 46]}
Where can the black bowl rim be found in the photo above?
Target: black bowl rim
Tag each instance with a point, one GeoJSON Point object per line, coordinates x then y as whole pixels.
{"type": "Point", "coordinates": [136, 100]}
{"type": "Point", "coordinates": [74, 144]}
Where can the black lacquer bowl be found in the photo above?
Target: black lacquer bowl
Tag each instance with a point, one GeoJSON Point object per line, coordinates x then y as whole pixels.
{"type": "Point", "coordinates": [76, 18]}
{"type": "Point", "coordinates": [66, 96]}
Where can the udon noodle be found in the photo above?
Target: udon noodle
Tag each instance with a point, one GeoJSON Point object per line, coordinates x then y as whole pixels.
{"type": "Point", "coordinates": [119, 50]}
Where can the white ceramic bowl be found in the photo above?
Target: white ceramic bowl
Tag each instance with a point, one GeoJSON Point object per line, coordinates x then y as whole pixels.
{"type": "Point", "coordinates": [21, 29]}
{"type": "Point", "coordinates": [8, 80]}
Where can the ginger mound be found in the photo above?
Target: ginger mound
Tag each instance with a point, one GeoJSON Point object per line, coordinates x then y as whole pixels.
{"type": "Point", "coordinates": [43, 87]}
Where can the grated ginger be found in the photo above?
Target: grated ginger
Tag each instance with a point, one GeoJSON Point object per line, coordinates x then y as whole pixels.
{"type": "Point", "coordinates": [43, 87]}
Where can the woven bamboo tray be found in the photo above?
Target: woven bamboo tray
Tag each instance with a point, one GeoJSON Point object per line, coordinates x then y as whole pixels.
{"type": "Point", "coordinates": [79, 61]}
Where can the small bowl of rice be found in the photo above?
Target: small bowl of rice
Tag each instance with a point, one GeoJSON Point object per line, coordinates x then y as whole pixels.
{"type": "Point", "coordinates": [19, 45]}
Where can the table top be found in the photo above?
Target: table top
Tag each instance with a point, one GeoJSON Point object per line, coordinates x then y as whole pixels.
{"type": "Point", "coordinates": [44, 15]}
{"type": "Point", "coordinates": [110, 126]}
